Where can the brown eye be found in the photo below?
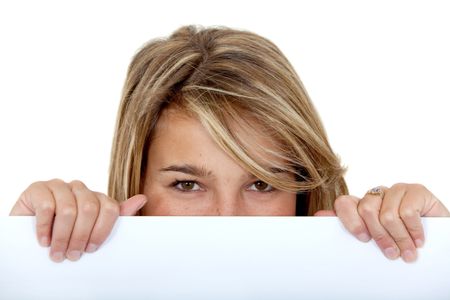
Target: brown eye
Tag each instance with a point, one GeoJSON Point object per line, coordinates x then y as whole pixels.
{"type": "Point", "coordinates": [261, 186]}
{"type": "Point", "coordinates": [187, 186]}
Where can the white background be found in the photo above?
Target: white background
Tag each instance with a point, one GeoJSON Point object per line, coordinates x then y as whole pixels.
{"type": "Point", "coordinates": [378, 73]}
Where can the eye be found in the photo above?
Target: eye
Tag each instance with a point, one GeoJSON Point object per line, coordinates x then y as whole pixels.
{"type": "Point", "coordinates": [261, 186]}
{"type": "Point", "coordinates": [186, 186]}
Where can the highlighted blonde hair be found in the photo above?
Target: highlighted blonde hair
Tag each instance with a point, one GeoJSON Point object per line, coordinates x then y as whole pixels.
{"type": "Point", "coordinates": [225, 77]}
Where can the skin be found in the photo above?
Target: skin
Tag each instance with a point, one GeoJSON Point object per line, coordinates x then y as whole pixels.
{"type": "Point", "coordinates": [392, 221]}
{"type": "Point", "coordinates": [72, 219]}
{"type": "Point", "coordinates": [210, 183]}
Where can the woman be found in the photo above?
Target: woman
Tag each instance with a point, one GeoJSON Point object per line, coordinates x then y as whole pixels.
{"type": "Point", "coordinates": [217, 122]}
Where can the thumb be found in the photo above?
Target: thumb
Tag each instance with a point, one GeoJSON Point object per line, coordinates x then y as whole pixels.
{"type": "Point", "coordinates": [132, 205]}
{"type": "Point", "coordinates": [20, 208]}
{"type": "Point", "coordinates": [435, 209]}
{"type": "Point", "coordinates": [325, 213]}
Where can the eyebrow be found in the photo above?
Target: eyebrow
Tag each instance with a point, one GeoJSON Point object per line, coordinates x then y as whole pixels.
{"type": "Point", "coordinates": [203, 172]}
{"type": "Point", "coordinates": [188, 169]}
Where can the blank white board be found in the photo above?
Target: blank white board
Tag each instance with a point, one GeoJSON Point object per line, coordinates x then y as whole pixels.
{"type": "Point", "coordinates": [224, 258]}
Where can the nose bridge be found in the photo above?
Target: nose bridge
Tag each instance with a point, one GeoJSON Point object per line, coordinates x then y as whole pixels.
{"type": "Point", "coordinates": [228, 203]}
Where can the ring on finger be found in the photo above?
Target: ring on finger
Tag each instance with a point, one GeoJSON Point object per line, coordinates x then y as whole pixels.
{"type": "Point", "coordinates": [376, 191]}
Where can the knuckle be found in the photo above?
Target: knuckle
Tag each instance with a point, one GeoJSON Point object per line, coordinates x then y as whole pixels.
{"type": "Point", "coordinates": [365, 210]}
{"type": "Point", "coordinates": [77, 184]}
{"type": "Point", "coordinates": [399, 186]}
{"type": "Point", "coordinates": [89, 207]}
{"type": "Point", "coordinates": [47, 207]}
{"type": "Point", "coordinates": [379, 237]}
{"type": "Point", "coordinates": [76, 181]}
{"type": "Point", "coordinates": [418, 187]}
{"type": "Point", "coordinates": [60, 242]}
{"type": "Point", "coordinates": [111, 209]}
{"type": "Point", "coordinates": [35, 185]}
{"type": "Point", "coordinates": [341, 201]}
{"type": "Point", "coordinates": [79, 240]}
{"type": "Point", "coordinates": [408, 213]}
{"type": "Point", "coordinates": [402, 240]}
{"type": "Point", "coordinates": [356, 228]}
{"type": "Point", "coordinates": [56, 181]}
{"type": "Point", "coordinates": [43, 225]}
{"type": "Point", "coordinates": [101, 196]}
{"type": "Point", "coordinates": [388, 219]}
{"type": "Point", "coordinates": [415, 231]}
{"type": "Point", "coordinates": [44, 205]}
{"type": "Point", "coordinates": [69, 212]}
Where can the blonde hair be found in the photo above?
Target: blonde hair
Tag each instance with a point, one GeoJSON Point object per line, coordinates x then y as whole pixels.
{"type": "Point", "coordinates": [225, 77]}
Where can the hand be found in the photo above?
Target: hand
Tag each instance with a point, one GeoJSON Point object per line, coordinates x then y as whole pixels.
{"type": "Point", "coordinates": [392, 221]}
{"type": "Point", "coordinates": [71, 218]}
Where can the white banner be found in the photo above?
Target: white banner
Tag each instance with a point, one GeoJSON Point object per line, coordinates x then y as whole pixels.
{"type": "Point", "coordinates": [224, 258]}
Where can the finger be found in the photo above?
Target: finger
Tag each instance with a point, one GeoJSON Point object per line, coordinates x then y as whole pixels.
{"type": "Point", "coordinates": [325, 213]}
{"type": "Point", "coordinates": [21, 208]}
{"type": "Point", "coordinates": [38, 200]}
{"type": "Point", "coordinates": [431, 206]}
{"type": "Point", "coordinates": [410, 214]}
{"type": "Point", "coordinates": [346, 209]}
{"type": "Point", "coordinates": [419, 201]}
{"type": "Point", "coordinates": [108, 214]}
{"type": "Point", "coordinates": [88, 206]}
{"type": "Point", "coordinates": [369, 209]}
{"type": "Point", "coordinates": [437, 209]}
{"type": "Point", "coordinates": [391, 221]}
{"type": "Point", "coordinates": [66, 214]}
{"type": "Point", "coordinates": [131, 206]}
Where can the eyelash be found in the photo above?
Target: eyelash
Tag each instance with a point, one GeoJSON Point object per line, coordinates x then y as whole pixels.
{"type": "Point", "coordinates": [177, 182]}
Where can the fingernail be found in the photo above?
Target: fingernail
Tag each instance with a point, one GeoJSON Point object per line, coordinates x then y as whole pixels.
{"type": "Point", "coordinates": [44, 241]}
{"type": "Point", "coordinates": [57, 257]}
{"type": "Point", "coordinates": [419, 243]}
{"type": "Point", "coordinates": [391, 253]}
{"type": "Point", "coordinates": [363, 237]}
{"type": "Point", "coordinates": [408, 256]}
{"type": "Point", "coordinates": [74, 255]}
{"type": "Point", "coordinates": [91, 248]}
{"type": "Point", "coordinates": [142, 205]}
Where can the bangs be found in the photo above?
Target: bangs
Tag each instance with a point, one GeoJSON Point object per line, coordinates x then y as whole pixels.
{"type": "Point", "coordinates": [267, 154]}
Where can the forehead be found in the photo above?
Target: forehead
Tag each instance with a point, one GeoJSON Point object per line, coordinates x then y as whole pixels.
{"type": "Point", "coordinates": [182, 134]}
